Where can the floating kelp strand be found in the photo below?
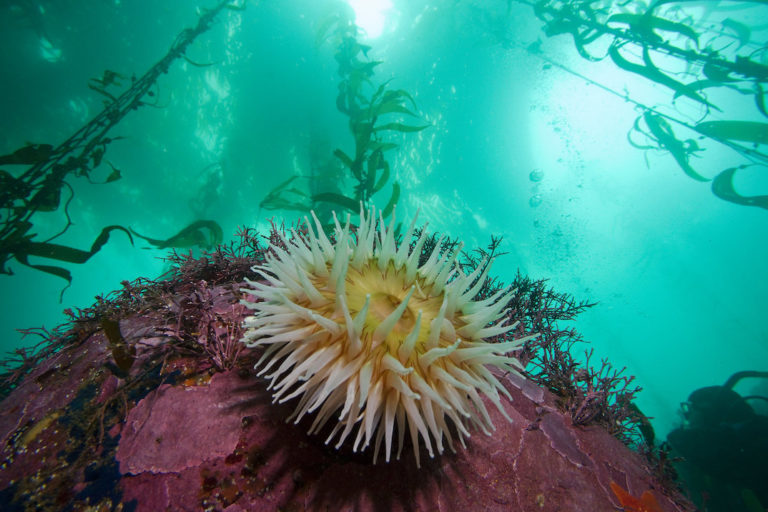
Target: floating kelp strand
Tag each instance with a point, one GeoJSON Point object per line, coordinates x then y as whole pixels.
{"type": "Point", "coordinates": [747, 131]}
{"type": "Point", "coordinates": [722, 187]}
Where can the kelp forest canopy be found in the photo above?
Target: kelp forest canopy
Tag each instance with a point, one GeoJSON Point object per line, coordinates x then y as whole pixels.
{"type": "Point", "coordinates": [702, 54]}
{"type": "Point", "coordinates": [42, 184]}
{"type": "Point", "coordinates": [374, 112]}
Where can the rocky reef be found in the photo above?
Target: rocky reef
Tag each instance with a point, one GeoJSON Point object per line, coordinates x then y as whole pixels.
{"type": "Point", "coordinates": [149, 402]}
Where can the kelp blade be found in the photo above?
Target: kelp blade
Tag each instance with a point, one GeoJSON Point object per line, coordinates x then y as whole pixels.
{"type": "Point", "coordinates": [647, 24]}
{"type": "Point", "coordinates": [722, 187]}
{"type": "Point", "coordinates": [344, 201]}
{"type": "Point", "coordinates": [123, 354]}
{"type": "Point", "coordinates": [69, 254]}
{"type": "Point", "coordinates": [651, 72]}
{"type": "Point", "coordinates": [665, 136]}
{"type": "Point", "coordinates": [747, 131]}
{"type": "Point", "coordinates": [392, 200]}
{"type": "Point", "coordinates": [61, 253]}
{"type": "Point", "coordinates": [400, 127]}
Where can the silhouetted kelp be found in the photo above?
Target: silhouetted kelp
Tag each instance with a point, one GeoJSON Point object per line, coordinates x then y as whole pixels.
{"type": "Point", "coordinates": [635, 37]}
{"type": "Point", "coordinates": [722, 187]}
{"type": "Point", "coordinates": [108, 78]}
{"type": "Point", "coordinates": [661, 133]}
{"type": "Point", "coordinates": [40, 187]}
{"type": "Point", "coordinates": [202, 233]}
{"type": "Point", "coordinates": [367, 165]}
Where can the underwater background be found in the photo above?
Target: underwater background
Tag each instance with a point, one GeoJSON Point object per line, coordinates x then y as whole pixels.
{"type": "Point", "coordinates": [521, 129]}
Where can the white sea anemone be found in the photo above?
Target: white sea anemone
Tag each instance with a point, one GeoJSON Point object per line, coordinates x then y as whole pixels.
{"type": "Point", "coordinates": [365, 337]}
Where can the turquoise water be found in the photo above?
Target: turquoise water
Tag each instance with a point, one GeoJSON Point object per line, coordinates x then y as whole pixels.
{"type": "Point", "coordinates": [517, 146]}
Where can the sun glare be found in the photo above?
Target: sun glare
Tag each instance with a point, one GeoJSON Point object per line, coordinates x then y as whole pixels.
{"type": "Point", "coordinates": [370, 15]}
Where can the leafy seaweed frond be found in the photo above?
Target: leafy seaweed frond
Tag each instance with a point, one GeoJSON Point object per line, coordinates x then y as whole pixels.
{"type": "Point", "coordinates": [667, 45]}
{"type": "Point", "coordinates": [39, 188]}
{"type": "Point", "coordinates": [374, 115]}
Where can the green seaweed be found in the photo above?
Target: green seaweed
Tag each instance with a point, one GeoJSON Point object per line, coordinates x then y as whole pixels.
{"type": "Point", "coordinates": [746, 131]}
{"type": "Point", "coordinates": [371, 120]}
{"type": "Point", "coordinates": [657, 3]}
{"type": "Point", "coordinates": [20, 246]}
{"type": "Point", "coordinates": [201, 233]}
{"type": "Point", "coordinates": [286, 196]}
{"type": "Point", "coordinates": [645, 32]}
{"type": "Point", "coordinates": [39, 188]}
{"type": "Point", "coordinates": [677, 50]}
{"type": "Point", "coordinates": [647, 25]}
{"type": "Point", "coordinates": [30, 154]}
{"type": "Point", "coordinates": [722, 187]}
{"type": "Point", "coordinates": [651, 72]}
{"type": "Point", "coordinates": [339, 200]}
{"type": "Point", "coordinates": [742, 32]}
{"type": "Point", "coordinates": [760, 99]}
{"type": "Point", "coordinates": [661, 132]}
{"type": "Point", "coordinates": [394, 198]}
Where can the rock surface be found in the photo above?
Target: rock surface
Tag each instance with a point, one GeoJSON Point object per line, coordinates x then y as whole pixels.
{"type": "Point", "coordinates": [179, 434]}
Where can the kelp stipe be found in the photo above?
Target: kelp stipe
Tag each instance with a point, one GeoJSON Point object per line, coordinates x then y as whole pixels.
{"type": "Point", "coordinates": [370, 111]}
{"type": "Point", "coordinates": [39, 188]}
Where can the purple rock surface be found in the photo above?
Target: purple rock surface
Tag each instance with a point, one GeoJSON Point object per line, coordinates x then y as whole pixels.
{"type": "Point", "coordinates": [178, 433]}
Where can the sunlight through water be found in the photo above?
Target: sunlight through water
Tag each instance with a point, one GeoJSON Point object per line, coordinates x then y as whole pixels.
{"type": "Point", "coordinates": [370, 15]}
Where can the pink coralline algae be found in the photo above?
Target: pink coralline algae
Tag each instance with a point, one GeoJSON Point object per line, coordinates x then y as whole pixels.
{"type": "Point", "coordinates": [156, 419]}
{"type": "Point", "coordinates": [177, 432]}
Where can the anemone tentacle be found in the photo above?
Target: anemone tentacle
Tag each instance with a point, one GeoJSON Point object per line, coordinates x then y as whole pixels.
{"type": "Point", "coordinates": [364, 337]}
